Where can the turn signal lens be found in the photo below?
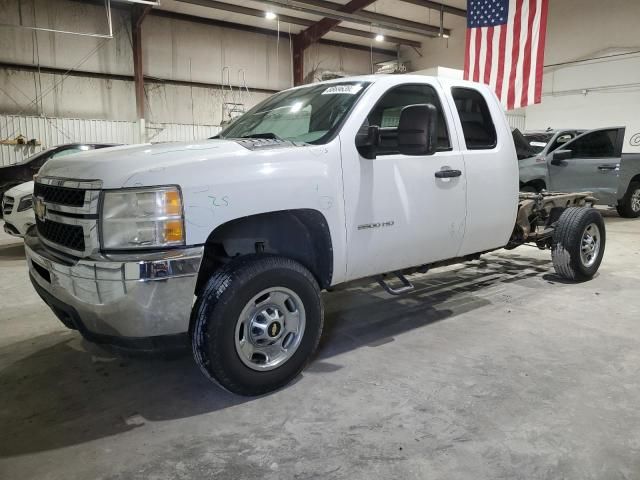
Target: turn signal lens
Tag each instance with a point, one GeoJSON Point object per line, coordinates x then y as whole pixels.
{"type": "Point", "coordinates": [173, 231]}
{"type": "Point", "coordinates": [173, 203]}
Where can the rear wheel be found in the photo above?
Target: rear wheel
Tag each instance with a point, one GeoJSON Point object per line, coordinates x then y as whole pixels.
{"type": "Point", "coordinates": [629, 206]}
{"type": "Point", "coordinates": [257, 323]}
{"type": "Point", "coordinates": [578, 243]}
{"type": "Point", "coordinates": [528, 189]}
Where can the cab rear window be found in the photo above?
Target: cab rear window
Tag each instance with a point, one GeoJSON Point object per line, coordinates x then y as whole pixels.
{"type": "Point", "coordinates": [477, 124]}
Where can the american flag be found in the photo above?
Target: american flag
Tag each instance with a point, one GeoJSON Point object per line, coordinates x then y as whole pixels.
{"type": "Point", "coordinates": [505, 48]}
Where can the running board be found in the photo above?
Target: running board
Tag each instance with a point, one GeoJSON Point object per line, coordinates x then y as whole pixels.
{"type": "Point", "coordinates": [407, 286]}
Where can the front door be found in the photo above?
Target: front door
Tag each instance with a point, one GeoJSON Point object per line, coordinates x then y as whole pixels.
{"type": "Point", "coordinates": [593, 164]}
{"type": "Point", "coordinates": [399, 214]}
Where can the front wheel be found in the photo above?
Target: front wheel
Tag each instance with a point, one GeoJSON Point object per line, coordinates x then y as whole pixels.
{"type": "Point", "coordinates": [629, 206]}
{"type": "Point", "coordinates": [256, 324]}
{"type": "Point", "coordinates": [578, 243]}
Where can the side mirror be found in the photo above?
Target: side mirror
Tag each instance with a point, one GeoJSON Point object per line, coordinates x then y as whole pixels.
{"type": "Point", "coordinates": [417, 130]}
{"type": "Point", "coordinates": [367, 141]}
{"type": "Point", "coordinates": [559, 155]}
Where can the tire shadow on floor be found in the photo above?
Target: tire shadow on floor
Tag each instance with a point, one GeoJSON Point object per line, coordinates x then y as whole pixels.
{"type": "Point", "coordinates": [364, 315]}
{"type": "Point", "coordinates": [62, 391]}
{"type": "Point", "coordinates": [12, 251]}
{"type": "Point", "coordinates": [66, 394]}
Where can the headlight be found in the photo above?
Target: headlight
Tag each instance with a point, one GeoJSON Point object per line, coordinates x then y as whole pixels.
{"type": "Point", "coordinates": [25, 203]}
{"type": "Point", "coordinates": [142, 218]}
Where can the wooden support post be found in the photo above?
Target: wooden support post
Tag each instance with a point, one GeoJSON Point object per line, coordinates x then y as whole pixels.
{"type": "Point", "coordinates": [298, 60]}
{"type": "Point", "coordinates": [314, 33]}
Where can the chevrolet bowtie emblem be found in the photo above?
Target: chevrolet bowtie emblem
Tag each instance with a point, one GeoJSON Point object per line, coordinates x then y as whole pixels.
{"type": "Point", "coordinates": [39, 208]}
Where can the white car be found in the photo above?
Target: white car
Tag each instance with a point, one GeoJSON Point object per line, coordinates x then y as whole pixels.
{"type": "Point", "coordinates": [17, 209]}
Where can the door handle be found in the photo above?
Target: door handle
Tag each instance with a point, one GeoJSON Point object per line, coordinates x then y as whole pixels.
{"type": "Point", "coordinates": [448, 173]}
{"type": "Point", "coordinates": [607, 167]}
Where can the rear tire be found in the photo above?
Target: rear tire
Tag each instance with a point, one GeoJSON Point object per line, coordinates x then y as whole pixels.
{"type": "Point", "coordinates": [528, 189]}
{"type": "Point", "coordinates": [629, 206]}
{"type": "Point", "coordinates": [578, 243]}
{"type": "Point", "coordinates": [256, 323]}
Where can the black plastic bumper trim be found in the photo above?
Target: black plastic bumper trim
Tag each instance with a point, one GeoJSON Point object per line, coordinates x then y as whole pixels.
{"type": "Point", "coordinates": [71, 319]}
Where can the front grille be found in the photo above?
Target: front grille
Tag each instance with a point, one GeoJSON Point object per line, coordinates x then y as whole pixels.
{"type": "Point", "coordinates": [68, 236]}
{"type": "Point", "coordinates": [7, 204]}
{"type": "Point", "coordinates": [73, 197]}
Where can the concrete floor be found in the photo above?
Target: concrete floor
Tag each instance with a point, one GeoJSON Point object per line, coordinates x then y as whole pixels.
{"type": "Point", "coordinates": [493, 369]}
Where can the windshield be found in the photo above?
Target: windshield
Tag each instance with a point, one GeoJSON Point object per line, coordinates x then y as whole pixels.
{"type": "Point", "coordinates": [309, 114]}
{"type": "Point", "coordinates": [537, 141]}
{"type": "Point", "coordinates": [36, 156]}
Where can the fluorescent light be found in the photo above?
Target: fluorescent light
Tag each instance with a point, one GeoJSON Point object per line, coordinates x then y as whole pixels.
{"type": "Point", "coordinates": [444, 35]}
{"type": "Point", "coordinates": [379, 38]}
{"type": "Point", "coordinates": [270, 15]}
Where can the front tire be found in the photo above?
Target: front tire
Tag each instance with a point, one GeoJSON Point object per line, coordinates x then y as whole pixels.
{"type": "Point", "coordinates": [629, 206]}
{"type": "Point", "coordinates": [578, 243]}
{"type": "Point", "coordinates": [256, 324]}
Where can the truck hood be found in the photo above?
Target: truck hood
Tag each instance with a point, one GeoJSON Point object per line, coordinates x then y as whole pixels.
{"type": "Point", "coordinates": [126, 166]}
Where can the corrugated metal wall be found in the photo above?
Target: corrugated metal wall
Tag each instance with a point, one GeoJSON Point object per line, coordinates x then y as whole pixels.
{"type": "Point", "coordinates": [516, 121]}
{"type": "Point", "coordinates": [55, 131]}
{"type": "Point", "coordinates": [178, 132]}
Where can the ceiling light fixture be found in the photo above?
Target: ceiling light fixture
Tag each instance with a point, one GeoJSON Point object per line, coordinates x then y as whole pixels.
{"type": "Point", "coordinates": [270, 15]}
{"type": "Point", "coordinates": [379, 38]}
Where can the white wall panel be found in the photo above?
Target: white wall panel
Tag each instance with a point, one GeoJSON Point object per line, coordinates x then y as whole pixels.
{"type": "Point", "coordinates": [55, 131]}
{"type": "Point", "coordinates": [174, 50]}
{"type": "Point", "coordinates": [440, 52]}
{"type": "Point", "coordinates": [516, 121]}
{"type": "Point", "coordinates": [65, 51]}
{"type": "Point", "coordinates": [175, 132]}
{"type": "Point", "coordinates": [580, 93]}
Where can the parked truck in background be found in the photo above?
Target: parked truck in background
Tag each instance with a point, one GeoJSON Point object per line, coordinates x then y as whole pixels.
{"type": "Point", "coordinates": [227, 243]}
{"type": "Point", "coordinates": [572, 160]}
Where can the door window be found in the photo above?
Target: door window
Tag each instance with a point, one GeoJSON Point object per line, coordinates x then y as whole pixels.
{"type": "Point", "coordinates": [477, 124]}
{"type": "Point", "coordinates": [561, 140]}
{"type": "Point", "coordinates": [69, 151]}
{"type": "Point", "coordinates": [599, 144]}
{"type": "Point", "coordinates": [386, 114]}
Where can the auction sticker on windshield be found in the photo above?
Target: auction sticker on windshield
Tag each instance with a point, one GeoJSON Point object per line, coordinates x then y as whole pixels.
{"type": "Point", "coordinates": [343, 89]}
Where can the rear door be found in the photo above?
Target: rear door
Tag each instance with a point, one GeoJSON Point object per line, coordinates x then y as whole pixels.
{"type": "Point", "coordinates": [491, 167]}
{"type": "Point", "coordinates": [593, 164]}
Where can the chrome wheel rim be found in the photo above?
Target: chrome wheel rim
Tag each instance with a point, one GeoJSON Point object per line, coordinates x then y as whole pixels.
{"type": "Point", "coordinates": [635, 201]}
{"type": "Point", "coordinates": [590, 245]}
{"type": "Point", "coordinates": [270, 328]}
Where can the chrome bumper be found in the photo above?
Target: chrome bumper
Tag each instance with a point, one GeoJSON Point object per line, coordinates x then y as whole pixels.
{"type": "Point", "coordinates": [112, 296]}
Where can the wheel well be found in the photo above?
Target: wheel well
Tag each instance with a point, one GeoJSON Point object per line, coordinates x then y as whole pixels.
{"type": "Point", "coordinates": [635, 179]}
{"type": "Point", "coordinates": [302, 235]}
{"type": "Point", "coordinates": [538, 184]}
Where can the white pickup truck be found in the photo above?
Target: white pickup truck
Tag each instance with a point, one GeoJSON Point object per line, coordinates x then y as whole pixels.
{"type": "Point", "coordinates": [227, 243]}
